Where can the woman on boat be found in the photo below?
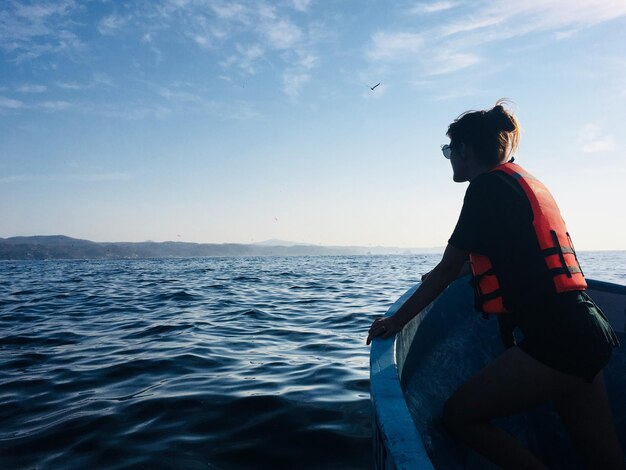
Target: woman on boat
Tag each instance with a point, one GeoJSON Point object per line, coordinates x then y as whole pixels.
{"type": "Point", "coordinates": [525, 272]}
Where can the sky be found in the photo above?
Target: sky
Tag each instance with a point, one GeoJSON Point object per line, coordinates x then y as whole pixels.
{"type": "Point", "coordinates": [240, 121]}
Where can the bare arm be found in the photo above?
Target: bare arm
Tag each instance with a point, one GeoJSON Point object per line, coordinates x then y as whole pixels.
{"type": "Point", "coordinates": [465, 270]}
{"type": "Point", "coordinates": [432, 285]}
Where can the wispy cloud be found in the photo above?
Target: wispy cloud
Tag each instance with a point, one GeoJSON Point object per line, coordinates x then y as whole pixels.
{"type": "Point", "coordinates": [29, 88]}
{"type": "Point", "coordinates": [299, 74]}
{"type": "Point", "coordinates": [245, 57]}
{"type": "Point", "coordinates": [180, 97]}
{"type": "Point", "coordinates": [449, 61]}
{"type": "Point", "coordinates": [48, 105]}
{"type": "Point", "coordinates": [502, 19]}
{"type": "Point", "coordinates": [431, 7]}
{"type": "Point", "coordinates": [229, 10]}
{"type": "Point", "coordinates": [111, 24]}
{"type": "Point", "coordinates": [301, 5]}
{"type": "Point", "coordinates": [10, 103]}
{"type": "Point", "coordinates": [394, 45]}
{"type": "Point", "coordinates": [457, 42]}
{"type": "Point", "coordinates": [177, 96]}
{"type": "Point", "coordinates": [281, 33]}
{"type": "Point", "coordinates": [471, 24]}
{"type": "Point", "coordinates": [98, 80]}
{"type": "Point", "coordinates": [247, 35]}
{"type": "Point", "coordinates": [592, 139]}
{"type": "Point", "coordinates": [32, 30]}
{"type": "Point", "coordinates": [43, 10]}
{"type": "Point", "coordinates": [133, 111]}
{"type": "Point", "coordinates": [293, 82]}
{"type": "Point", "coordinates": [54, 105]}
{"type": "Point", "coordinates": [202, 40]}
{"type": "Point", "coordinates": [69, 85]}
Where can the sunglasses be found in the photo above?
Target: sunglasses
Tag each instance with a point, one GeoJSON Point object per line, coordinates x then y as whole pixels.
{"type": "Point", "coordinates": [447, 150]}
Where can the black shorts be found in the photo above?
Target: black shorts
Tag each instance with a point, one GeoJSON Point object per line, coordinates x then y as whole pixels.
{"type": "Point", "coordinates": [571, 335]}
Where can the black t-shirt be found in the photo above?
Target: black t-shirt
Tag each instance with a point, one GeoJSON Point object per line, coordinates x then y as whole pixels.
{"type": "Point", "coordinates": [496, 221]}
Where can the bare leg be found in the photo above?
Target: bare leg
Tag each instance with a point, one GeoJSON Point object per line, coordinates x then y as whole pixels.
{"type": "Point", "coordinates": [513, 383]}
{"type": "Point", "coordinates": [587, 416]}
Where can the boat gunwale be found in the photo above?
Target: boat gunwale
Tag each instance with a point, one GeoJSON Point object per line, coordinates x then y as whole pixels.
{"type": "Point", "coordinates": [395, 431]}
{"type": "Point", "coordinates": [397, 443]}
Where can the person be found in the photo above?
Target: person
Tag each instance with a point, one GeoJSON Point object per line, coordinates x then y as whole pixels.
{"type": "Point", "coordinates": [525, 272]}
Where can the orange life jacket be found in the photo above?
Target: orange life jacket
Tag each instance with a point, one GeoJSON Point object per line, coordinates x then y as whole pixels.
{"type": "Point", "coordinates": [554, 242]}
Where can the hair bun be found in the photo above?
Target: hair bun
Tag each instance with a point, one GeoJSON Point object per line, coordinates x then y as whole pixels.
{"type": "Point", "coordinates": [501, 119]}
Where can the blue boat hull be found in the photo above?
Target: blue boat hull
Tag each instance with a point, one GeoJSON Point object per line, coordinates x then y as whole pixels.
{"type": "Point", "coordinates": [413, 373]}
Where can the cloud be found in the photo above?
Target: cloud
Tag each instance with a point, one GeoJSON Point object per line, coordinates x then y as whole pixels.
{"type": "Point", "coordinates": [69, 85]}
{"type": "Point", "coordinates": [98, 80]}
{"type": "Point", "coordinates": [10, 103]}
{"type": "Point", "coordinates": [560, 35]}
{"type": "Point", "coordinates": [394, 45]}
{"type": "Point", "coordinates": [41, 11]}
{"type": "Point", "coordinates": [202, 40]}
{"type": "Point", "coordinates": [111, 24]}
{"type": "Point", "coordinates": [562, 13]}
{"type": "Point", "coordinates": [229, 10]}
{"type": "Point", "coordinates": [293, 82]}
{"type": "Point", "coordinates": [433, 7]}
{"type": "Point", "coordinates": [177, 96]}
{"type": "Point", "coordinates": [299, 74]}
{"type": "Point", "coordinates": [456, 42]}
{"type": "Point", "coordinates": [54, 105]}
{"type": "Point", "coordinates": [601, 145]}
{"type": "Point", "coordinates": [32, 30]}
{"type": "Point", "coordinates": [471, 24]}
{"type": "Point", "coordinates": [503, 19]}
{"type": "Point", "coordinates": [28, 88]}
{"type": "Point", "coordinates": [301, 5]}
{"type": "Point", "coordinates": [246, 57]}
{"type": "Point", "coordinates": [133, 111]}
{"type": "Point", "coordinates": [281, 33]}
{"type": "Point", "coordinates": [449, 61]}
{"type": "Point", "coordinates": [592, 140]}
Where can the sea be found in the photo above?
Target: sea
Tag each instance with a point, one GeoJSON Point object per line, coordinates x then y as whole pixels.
{"type": "Point", "coordinates": [203, 363]}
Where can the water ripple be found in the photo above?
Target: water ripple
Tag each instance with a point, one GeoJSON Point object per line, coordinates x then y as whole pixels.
{"type": "Point", "coordinates": [196, 363]}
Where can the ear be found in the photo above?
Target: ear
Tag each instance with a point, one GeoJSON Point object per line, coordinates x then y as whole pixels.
{"type": "Point", "coordinates": [463, 151]}
{"type": "Point", "coordinates": [467, 152]}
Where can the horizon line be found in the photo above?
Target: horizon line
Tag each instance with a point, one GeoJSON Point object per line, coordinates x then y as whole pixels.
{"type": "Point", "coordinates": [291, 243]}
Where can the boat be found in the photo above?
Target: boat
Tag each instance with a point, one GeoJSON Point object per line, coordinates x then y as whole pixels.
{"type": "Point", "coordinates": [413, 373]}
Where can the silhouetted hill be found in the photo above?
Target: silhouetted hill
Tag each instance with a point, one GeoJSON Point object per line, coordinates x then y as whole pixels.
{"type": "Point", "coordinates": [62, 247]}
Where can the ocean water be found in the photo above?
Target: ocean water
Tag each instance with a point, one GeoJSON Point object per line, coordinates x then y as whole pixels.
{"type": "Point", "coordinates": [198, 363]}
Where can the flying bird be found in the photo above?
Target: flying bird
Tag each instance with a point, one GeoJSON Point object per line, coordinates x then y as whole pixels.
{"type": "Point", "coordinates": [372, 87]}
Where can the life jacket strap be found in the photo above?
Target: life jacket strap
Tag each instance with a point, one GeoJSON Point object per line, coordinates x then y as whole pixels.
{"type": "Point", "coordinates": [569, 270]}
{"type": "Point", "coordinates": [489, 272]}
{"type": "Point", "coordinates": [491, 295]}
{"type": "Point", "coordinates": [556, 250]}
{"type": "Point", "coordinates": [557, 246]}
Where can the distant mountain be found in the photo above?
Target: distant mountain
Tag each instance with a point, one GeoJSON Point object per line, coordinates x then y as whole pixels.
{"type": "Point", "coordinates": [276, 242]}
{"type": "Point", "coordinates": [62, 247]}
